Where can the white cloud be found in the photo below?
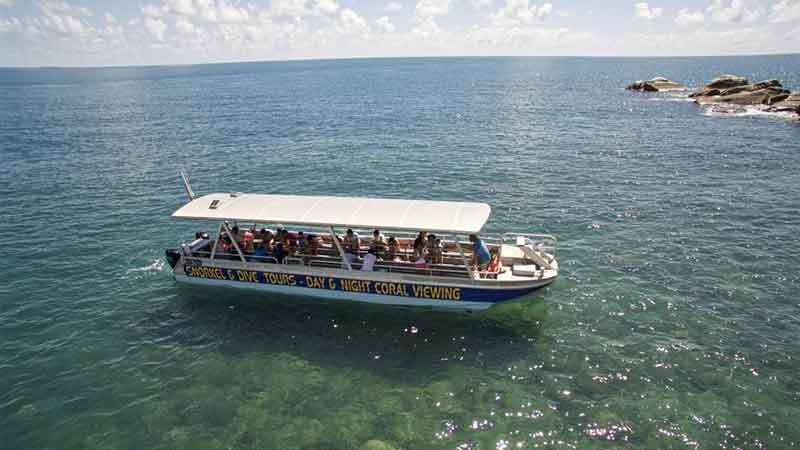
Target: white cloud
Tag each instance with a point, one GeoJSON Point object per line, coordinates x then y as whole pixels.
{"type": "Point", "coordinates": [384, 24]}
{"type": "Point", "coordinates": [703, 41]}
{"type": "Point", "coordinates": [685, 17]}
{"type": "Point", "coordinates": [183, 7]}
{"type": "Point", "coordinates": [297, 9]}
{"type": "Point", "coordinates": [325, 7]}
{"type": "Point", "coordinates": [10, 25]}
{"type": "Point", "coordinates": [739, 11]}
{"type": "Point", "coordinates": [61, 7]}
{"type": "Point", "coordinates": [191, 31]}
{"type": "Point", "coordinates": [785, 11]}
{"type": "Point", "coordinates": [520, 11]}
{"type": "Point", "coordinates": [61, 18]}
{"type": "Point", "coordinates": [156, 27]}
{"type": "Point", "coordinates": [430, 8]}
{"type": "Point", "coordinates": [480, 4]}
{"type": "Point", "coordinates": [153, 11]}
{"type": "Point", "coordinates": [350, 23]}
{"type": "Point", "coordinates": [526, 40]}
{"type": "Point", "coordinates": [644, 11]}
{"type": "Point", "coordinates": [184, 27]}
{"type": "Point", "coordinates": [393, 7]}
{"type": "Point", "coordinates": [794, 35]}
{"type": "Point", "coordinates": [228, 13]}
{"type": "Point", "coordinates": [6, 3]}
{"type": "Point", "coordinates": [289, 8]}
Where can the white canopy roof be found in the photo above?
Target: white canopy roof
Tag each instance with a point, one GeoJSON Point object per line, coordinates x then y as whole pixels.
{"type": "Point", "coordinates": [411, 215]}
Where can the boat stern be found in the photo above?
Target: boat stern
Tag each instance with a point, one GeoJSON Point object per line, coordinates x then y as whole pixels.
{"type": "Point", "coordinates": [173, 255]}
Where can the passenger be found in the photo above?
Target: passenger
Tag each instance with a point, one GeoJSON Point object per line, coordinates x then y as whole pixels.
{"type": "Point", "coordinates": [433, 249]}
{"type": "Point", "coordinates": [261, 252]}
{"type": "Point", "coordinates": [280, 233]}
{"type": "Point", "coordinates": [378, 244]}
{"type": "Point", "coordinates": [419, 244]}
{"type": "Point", "coordinates": [224, 244]}
{"type": "Point", "coordinates": [438, 252]}
{"type": "Point", "coordinates": [302, 243]}
{"type": "Point", "coordinates": [265, 235]}
{"type": "Point", "coordinates": [392, 250]}
{"type": "Point", "coordinates": [237, 236]}
{"type": "Point", "coordinates": [352, 243]}
{"type": "Point", "coordinates": [480, 254]}
{"type": "Point", "coordinates": [248, 242]}
{"type": "Point", "coordinates": [369, 261]}
{"type": "Point", "coordinates": [495, 266]}
{"type": "Point", "coordinates": [313, 245]}
{"type": "Point", "coordinates": [420, 262]}
{"type": "Point", "coordinates": [351, 258]}
{"type": "Point", "coordinates": [201, 242]}
{"type": "Point", "coordinates": [290, 246]}
{"type": "Point", "coordinates": [279, 253]}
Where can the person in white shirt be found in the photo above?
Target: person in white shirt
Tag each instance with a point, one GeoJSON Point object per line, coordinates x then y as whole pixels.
{"type": "Point", "coordinates": [369, 261]}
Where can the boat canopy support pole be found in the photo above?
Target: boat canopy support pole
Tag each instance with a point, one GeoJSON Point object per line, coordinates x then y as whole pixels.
{"type": "Point", "coordinates": [464, 258]}
{"type": "Point", "coordinates": [187, 186]}
{"type": "Point", "coordinates": [233, 240]}
{"type": "Point", "coordinates": [216, 241]}
{"type": "Point", "coordinates": [339, 247]}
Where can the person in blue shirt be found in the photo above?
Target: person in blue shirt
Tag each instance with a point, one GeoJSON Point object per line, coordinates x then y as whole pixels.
{"type": "Point", "coordinates": [480, 253]}
{"type": "Point", "coordinates": [260, 252]}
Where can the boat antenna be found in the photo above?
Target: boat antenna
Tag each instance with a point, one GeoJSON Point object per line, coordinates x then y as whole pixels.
{"type": "Point", "coordinates": [186, 185]}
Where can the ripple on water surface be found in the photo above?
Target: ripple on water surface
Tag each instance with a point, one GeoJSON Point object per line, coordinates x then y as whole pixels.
{"type": "Point", "coordinates": [672, 324]}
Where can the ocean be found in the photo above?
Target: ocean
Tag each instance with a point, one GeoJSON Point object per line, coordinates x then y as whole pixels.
{"type": "Point", "coordinates": [672, 325]}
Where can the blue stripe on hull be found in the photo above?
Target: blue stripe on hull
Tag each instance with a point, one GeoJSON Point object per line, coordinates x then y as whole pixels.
{"type": "Point", "coordinates": [394, 292]}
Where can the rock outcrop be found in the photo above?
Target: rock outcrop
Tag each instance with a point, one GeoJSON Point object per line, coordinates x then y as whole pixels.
{"type": "Point", "coordinates": [790, 104]}
{"type": "Point", "coordinates": [732, 93]}
{"type": "Point", "coordinates": [657, 84]}
{"type": "Point", "coordinates": [719, 84]}
{"type": "Point", "coordinates": [739, 92]}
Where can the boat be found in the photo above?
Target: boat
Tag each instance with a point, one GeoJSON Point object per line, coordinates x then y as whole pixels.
{"type": "Point", "coordinates": [323, 268]}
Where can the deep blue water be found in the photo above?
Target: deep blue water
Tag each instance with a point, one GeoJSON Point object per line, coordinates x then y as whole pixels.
{"type": "Point", "coordinates": [673, 325]}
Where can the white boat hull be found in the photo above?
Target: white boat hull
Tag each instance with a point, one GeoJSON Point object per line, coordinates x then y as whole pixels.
{"type": "Point", "coordinates": [369, 287]}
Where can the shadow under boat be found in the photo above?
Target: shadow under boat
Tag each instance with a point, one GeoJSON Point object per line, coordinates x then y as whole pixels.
{"type": "Point", "coordinates": [403, 342]}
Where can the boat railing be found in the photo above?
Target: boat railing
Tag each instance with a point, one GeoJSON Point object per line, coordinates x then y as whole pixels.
{"type": "Point", "coordinates": [400, 268]}
{"type": "Point", "coordinates": [544, 243]}
{"type": "Point", "coordinates": [336, 263]}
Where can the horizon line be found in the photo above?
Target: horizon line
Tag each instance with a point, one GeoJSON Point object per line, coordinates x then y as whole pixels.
{"type": "Point", "coordinates": [348, 58]}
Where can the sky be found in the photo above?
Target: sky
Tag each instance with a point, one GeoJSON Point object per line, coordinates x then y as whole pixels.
{"type": "Point", "coordinates": [139, 32]}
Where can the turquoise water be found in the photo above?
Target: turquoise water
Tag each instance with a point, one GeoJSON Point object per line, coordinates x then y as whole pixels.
{"type": "Point", "coordinates": [673, 325]}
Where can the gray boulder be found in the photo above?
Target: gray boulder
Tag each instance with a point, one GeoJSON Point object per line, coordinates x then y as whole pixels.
{"type": "Point", "coordinates": [777, 98]}
{"type": "Point", "coordinates": [727, 81]}
{"type": "Point", "coordinates": [720, 83]}
{"type": "Point", "coordinates": [657, 84]}
{"type": "Point", "coordinates": [761, 93]}
{"type": "Point", "coordinates": [789, 104]}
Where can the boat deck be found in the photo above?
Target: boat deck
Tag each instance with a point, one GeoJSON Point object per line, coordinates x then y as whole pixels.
{"type": "Point", "coordinates": [515, 265]}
